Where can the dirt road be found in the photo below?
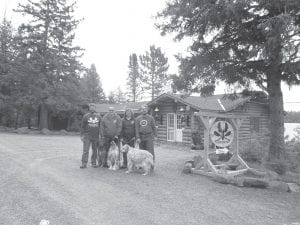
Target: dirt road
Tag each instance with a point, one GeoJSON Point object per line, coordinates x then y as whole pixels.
{"type": "Point", "coordinates": [40, 179]}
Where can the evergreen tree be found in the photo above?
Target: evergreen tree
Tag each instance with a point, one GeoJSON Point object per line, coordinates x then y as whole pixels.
{"type": "Point", "coordinates": [6, 50]}
{"type": "Point", "coordinates": [239, 42]}
{"type": "Point", "coordinates": [18, 100]}
{"type": "Point", "coordinates": [117, 96]}
{"type": "Point", "coordinates": [134, 79]}
{"type": "Point", "coordinates": [154, 70]}
{"type": "Point", "coordinates": [47, 39]}
{"type": "Point", "coordinates": [6, 59]}
{"type": "Point", "coordinates": [111, 98]}
{"type": "Point", "coordinates": [120, 96]}
{"type": "Point", "coordinates": [92, 86]}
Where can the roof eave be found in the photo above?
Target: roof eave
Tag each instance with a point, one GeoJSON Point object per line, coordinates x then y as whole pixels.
{"type": "Point", "coordinates": [173, 97]}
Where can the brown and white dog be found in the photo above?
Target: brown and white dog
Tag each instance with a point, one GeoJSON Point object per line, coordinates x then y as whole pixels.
{"type": "Point", "coordinates": [138, 158]}
{"type": "Point", "coordinates": [113, 156]}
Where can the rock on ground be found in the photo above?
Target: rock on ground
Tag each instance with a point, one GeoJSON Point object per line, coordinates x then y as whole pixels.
{"type": "Point", "coordinates": [293, 187]}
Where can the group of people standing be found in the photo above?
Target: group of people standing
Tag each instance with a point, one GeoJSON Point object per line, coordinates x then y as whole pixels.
{"type": "Point", "coordinates": [99, 132]}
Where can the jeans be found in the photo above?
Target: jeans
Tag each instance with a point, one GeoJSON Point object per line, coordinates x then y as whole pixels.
{"type": "Point", "coordinates": [148, 145]}
{"type": "Point", "coordinates": [85, 155]}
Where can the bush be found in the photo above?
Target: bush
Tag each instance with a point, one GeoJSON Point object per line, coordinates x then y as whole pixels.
{"type": "Point", "coordinates": [279, 166]}
{"type": "Point", "coordinates": [252, 152]}
{"type": "Point", "coordinates": [197, 138]}
{"type": "Point", "coordinates": [255, 150]}
{"type": "Point", "coordinates": [292, 154]}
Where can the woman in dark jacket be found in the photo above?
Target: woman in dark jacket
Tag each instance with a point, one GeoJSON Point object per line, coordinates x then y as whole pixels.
{"type": "Point", "coordinates": [128, 132]}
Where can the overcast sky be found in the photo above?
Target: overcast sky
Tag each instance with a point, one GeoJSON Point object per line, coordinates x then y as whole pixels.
{"type": "Point", "coordinates": [112, 30]}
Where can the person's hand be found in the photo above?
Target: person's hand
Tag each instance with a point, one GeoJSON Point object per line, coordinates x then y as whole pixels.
{"type": "Point", "coordinates": [81, 137]}
{"type": "Point", "coordinates": [138, 141]}
{"type": "Point", "coordinates": [155, 139]}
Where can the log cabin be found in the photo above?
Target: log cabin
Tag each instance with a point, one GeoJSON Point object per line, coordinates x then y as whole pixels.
{"type": "Point", "coordinates": [176, 121]}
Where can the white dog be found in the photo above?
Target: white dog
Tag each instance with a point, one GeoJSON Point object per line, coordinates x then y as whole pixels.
{"type": "Point", "coordinates": [113, 156]}
{"type": "Point", "coordinates": [138, 158]}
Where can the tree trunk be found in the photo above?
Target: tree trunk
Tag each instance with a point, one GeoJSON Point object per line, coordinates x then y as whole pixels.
{"type": "Point", "coordinates": [17, 120]}
{"type": "Point", "coordinates": [152, 87]}
{"type": "Point", "coordinates": [70, 121]}
{"type": "Point", "coordinates": [29, 122]}
{"type": "Point", "coordinates": [277, 117]}
{"type": "Point", "coordinates": [43, 116]}
{"type": "Point", "coordinates": [274, 47]}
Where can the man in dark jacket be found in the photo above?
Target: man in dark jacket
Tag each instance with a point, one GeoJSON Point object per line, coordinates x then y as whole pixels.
{"type": "Point", "coordinates": [90, 132]}
{"type": "Point", "coordinates": [145, 131]}
{"type": "Point", "coordinates": [111, 126]}
{"type": "Point", "coordinates": [128, 132]}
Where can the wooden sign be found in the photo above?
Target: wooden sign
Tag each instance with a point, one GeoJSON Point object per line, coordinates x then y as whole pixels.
{"type": "Point", "coordinates": [222, 133]}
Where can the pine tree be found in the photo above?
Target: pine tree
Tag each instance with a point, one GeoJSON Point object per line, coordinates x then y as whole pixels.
{"type": "Point", "coordinates": [6, 45]}
{"type": "Point", "coordinates": [120, 96]}
{"type": "Point", "coordinates": [48, 40]}
{"type": "Point", "coordinates": [154, 70]}
{"type": "Point", "coordinates": [111, 98]}
{"type": "Point", "coordinates": [134, 79]}
{"type": "Point", "coordinates": [6, 59]}
{"type": "Point", "coordinates": [239, 42]}
{"type": "Point", "coordinates": [17, 79]}
{"type": "Point", "coordinates": [92, 86]}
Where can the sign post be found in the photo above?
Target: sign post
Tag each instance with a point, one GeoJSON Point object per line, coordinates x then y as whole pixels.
{"type": "Point", "coordinates": [223, 133]}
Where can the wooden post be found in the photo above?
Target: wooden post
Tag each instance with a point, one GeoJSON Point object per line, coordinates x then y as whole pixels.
{"type": "Point", "coordinates": [205, 121]}
{"type": "Point", "coordinates": [209, 169]}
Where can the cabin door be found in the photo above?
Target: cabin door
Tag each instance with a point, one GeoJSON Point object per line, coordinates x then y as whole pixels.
{"type": "Point", "coordinates": [179, 128]}
{"type": "Point", "coordinates": [171, 119]}
{"type": "Point", "coordinates": [174, 127]}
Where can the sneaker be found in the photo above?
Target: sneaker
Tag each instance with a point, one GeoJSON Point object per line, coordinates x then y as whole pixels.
{"type": "Point", "coordinates": [82, 166]}
{"type": "Point", "coordinates": [123, 167]}
{"type": "Point", "coordinates": [94, 166]}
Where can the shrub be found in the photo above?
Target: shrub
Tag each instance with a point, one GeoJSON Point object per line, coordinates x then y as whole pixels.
{"type": "Point", "coordinates": [292, 156]}
{"type": "Point", "coordinates": [256, 149]}
{"type": "Point", "coordinates": [197, 138]}
{"type": "Point", "coordinates": [252, 152]}
{"type": "Point", "coordinates": [279, 166]}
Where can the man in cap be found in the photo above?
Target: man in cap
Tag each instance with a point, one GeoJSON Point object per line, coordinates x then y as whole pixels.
{"type": "Point", "coordinates": [145, 131]}
{"type": "Point", "coordinates": [90, 132]}
{"type": "Point", "coordinates": [111, 127]}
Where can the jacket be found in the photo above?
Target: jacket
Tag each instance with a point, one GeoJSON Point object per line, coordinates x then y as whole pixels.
{"type": "Point", "coordinates": [145, 126]}
{"type": "Point", "coordinates": [128, 129]}
{"type": "Point", "coordinates": [111, 125]}
{"type": "Point", "coordinates": [90, 126]}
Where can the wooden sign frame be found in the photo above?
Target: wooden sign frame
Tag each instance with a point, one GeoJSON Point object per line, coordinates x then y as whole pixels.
{"type": "Point", "coordinates": [208, 168]}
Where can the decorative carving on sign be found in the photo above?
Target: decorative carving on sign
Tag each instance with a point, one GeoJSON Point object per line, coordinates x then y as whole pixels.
{"type": "Point", "coordinates": [222, 133]}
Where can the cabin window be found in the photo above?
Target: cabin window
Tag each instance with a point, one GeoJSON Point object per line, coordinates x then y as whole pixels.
{"type": "Point", "coordinates": [180, 121]}
{"type": "Point", "coordinates": [254, 124]}
{"type": "Point", "coordinates": [188, 121]}
{"type": "Point", "coordinates": [158, 119]}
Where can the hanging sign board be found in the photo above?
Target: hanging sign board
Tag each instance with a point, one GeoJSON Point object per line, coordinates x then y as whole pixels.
{"type": "Point", "coordinates": [221, 133]}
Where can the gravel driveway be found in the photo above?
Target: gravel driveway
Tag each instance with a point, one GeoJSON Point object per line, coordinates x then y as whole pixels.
{"type": "Point", "coordinates": [40, 179]}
